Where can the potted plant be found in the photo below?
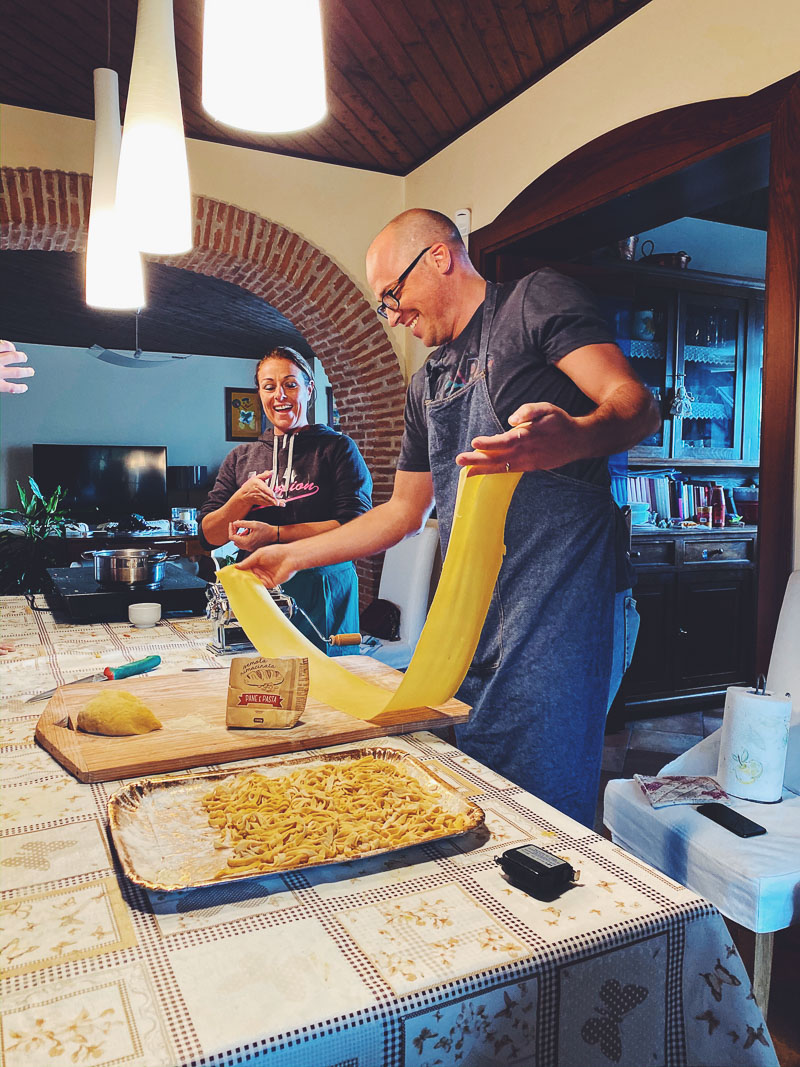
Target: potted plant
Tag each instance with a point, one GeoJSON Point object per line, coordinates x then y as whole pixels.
{"type": "Point", "coordinates": [24, 556]}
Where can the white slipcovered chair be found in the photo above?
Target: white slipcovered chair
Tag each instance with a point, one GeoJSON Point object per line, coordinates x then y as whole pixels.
{"type": "Point", "coordinates": [753, 881]}
{"type": "Point", "coordinates": [405, 581]}
{"type": "Point", "coordinates": [783, 677]}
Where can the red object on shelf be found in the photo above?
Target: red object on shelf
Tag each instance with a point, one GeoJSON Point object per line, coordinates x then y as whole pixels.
{"type": "Point", "coordinates": [717, 502]}
{"type": "Point", "coordinates": [748, 509]}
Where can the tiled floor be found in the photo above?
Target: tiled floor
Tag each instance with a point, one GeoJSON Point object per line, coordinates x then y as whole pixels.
{"type": "Point", "coordinates": [643, 747]}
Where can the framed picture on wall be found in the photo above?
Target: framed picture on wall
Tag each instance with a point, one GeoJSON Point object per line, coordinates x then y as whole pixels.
{"type": "Point", "coordinates": [243, 415]}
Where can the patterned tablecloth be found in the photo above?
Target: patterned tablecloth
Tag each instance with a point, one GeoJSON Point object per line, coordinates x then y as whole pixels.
{"type": "Point", "coordinates": [425, 956]}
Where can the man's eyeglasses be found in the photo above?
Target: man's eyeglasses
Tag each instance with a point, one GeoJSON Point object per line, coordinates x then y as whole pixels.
{"type": "Point", "coordinates": [391, 298]}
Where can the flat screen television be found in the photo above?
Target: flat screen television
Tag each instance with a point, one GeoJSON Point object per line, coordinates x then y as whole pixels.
{"type": "Point", "coordinates": [105, 483]}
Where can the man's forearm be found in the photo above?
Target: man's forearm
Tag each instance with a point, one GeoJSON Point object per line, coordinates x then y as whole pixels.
{"type": "Point", "coordinates": [299, 531]}
{"type": "Point", "coordinates": [621, 421]}
{"type": "Point", "coordinates": [372, 532]}
{"type": "Point", "coordinates": [376, 530]}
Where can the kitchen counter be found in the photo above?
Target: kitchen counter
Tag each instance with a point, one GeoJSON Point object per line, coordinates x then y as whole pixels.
{"type": "Point", "coordinates": [418, 957]}
{"type": "Point", "coordinates": [692, 531]}
{"type": "Point", "coordinates": [695, 590]}
{"type": "Point", "coordinates": [66, 550]}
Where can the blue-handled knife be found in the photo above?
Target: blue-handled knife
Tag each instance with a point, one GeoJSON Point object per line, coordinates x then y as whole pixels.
{"type": "Point", "coordinates": [126, 670]}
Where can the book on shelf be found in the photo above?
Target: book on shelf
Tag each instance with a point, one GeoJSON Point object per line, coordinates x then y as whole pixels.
{"type": "Point", "coordinates": [669, 495]}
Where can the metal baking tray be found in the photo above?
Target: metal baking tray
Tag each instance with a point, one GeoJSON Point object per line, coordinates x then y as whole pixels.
{"type": "Point", "coordinates": [162, 836]}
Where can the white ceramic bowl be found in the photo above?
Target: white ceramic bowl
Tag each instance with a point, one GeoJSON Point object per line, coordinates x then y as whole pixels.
{"type": "Point", "coordinates": [144, 615]}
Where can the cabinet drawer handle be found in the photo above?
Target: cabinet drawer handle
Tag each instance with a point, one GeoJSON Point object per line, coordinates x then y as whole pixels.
{"type": "Point", "coordinates": [708, 552]}
{"type": "Point", "coordinates": [635, 554]}
{"type": "Point", "coordinates": [682, 632]}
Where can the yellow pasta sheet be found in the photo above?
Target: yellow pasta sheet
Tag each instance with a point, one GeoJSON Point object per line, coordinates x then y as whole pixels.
{"type": "Point", "coordinates": [452, 629]}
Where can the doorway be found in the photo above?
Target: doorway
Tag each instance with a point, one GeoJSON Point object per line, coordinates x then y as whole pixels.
{"type": "Point", "coordinates": [621, 167]}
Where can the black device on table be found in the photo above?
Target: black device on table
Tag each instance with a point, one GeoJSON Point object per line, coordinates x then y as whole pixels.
{"type": "Point", "coordinates": [536, 871]}
{"type": "Point", "coordinates": [732, 820]}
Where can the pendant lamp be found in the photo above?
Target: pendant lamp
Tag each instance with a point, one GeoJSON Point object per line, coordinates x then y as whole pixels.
{"type": "Point", "coordinates": [153, 194]}
{"type": "Point", "coordinates": [114, 271]}
{"type": "Point", "coordinates": [263, 64]}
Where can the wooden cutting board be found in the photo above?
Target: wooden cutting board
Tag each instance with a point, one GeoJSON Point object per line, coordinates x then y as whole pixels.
{"type": "Point", "coordinates": [191, 708]}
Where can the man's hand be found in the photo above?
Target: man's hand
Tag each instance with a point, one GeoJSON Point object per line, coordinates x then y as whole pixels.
{"type": "Point", "coordinates": [270, 565]}
{"type": "Point", "coordinates": [252, 535]}
{"type": "Point", "coordinates": [8, 356]}
{"type": "Point", "coordinates": [543, 436]}
{"type": "Point", "coordinates": [256, 493]}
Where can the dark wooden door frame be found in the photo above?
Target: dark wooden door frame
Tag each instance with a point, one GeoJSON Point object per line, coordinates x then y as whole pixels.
{"type": "Point", "coordinates": [628, 158]}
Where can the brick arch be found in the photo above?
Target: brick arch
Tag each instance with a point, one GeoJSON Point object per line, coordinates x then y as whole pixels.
{"type": "Point", "coordinates": [49, 210]}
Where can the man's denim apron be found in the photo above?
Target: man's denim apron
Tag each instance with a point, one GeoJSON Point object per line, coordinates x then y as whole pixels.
{"type": "Point", "coordinates": [539, 681]}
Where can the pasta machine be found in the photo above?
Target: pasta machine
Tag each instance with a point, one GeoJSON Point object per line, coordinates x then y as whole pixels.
{"type": "Point", "coordinates": [229, 637]}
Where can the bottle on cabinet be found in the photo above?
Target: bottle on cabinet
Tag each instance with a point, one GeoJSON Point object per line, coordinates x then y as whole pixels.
{"type": "Point", "coordinates": [704, 512]}
{"type": "Point", "coordinates": [717, 501]}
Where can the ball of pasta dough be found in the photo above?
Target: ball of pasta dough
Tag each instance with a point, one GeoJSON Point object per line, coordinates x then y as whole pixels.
{"type": "Point", "coordinates": [116, 714]}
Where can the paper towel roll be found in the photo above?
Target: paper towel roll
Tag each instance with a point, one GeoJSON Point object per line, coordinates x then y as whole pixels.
{"type": "Point", "coordinates": [752, 747]}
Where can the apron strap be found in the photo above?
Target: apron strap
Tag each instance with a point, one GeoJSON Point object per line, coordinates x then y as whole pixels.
{"type": "Point", "coordinates": [433, 371]}
{"type": "Point", "coordinates": [486, 326]}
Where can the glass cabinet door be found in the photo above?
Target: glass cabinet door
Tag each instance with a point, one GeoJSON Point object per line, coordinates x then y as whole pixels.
{"type": "Point", "coordinates": [751, 426]}
{"type": "Point", "coordinates": [643, 326]}
{"type": "Point", "coordinates": [707, 398]}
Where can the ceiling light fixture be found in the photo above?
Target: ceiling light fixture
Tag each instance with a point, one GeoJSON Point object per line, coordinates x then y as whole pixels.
{"type": "Point", "coordinates": [114, 269]}
{"type": "Point", "coordinates": [153, 193]}
{"type": "Point", "coordinates": [136, 359]}
{"type": "Point", "coordinates": [263, 64]}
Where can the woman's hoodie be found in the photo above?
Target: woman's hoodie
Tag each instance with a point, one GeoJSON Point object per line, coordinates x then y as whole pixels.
{"type": "Point", "coordinates": [318, 472]}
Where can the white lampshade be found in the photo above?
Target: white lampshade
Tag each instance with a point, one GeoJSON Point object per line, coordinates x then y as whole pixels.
{"type": "Point", "coordinates": [153, 187]}
{"type": "Point", "coordinates": [263, 64]}
{"type": "Point", "coordinates": [114, 272]}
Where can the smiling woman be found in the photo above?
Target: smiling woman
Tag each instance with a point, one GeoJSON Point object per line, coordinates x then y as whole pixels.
{"type": "Point", "coordinates": [293, 481]}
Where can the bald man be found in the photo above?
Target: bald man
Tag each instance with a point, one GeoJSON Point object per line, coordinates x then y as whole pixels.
{"type": "Point", "coordinates": [536, 356]}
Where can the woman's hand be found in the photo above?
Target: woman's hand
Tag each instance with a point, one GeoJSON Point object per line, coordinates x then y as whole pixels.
{"type": "Point", "coordinates": [270, 565]}
{"type": "Point", "coordinates": [256, 493]}
{"type": "Point", "coordinates": [252, 535]}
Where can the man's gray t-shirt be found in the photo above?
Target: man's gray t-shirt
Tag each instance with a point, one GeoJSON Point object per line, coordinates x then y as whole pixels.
{"type": "Point", "coordinates": [538, 320]}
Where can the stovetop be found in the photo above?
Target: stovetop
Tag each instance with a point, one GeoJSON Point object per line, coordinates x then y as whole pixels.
{"type": "Point", "coordinates": [78, 597]}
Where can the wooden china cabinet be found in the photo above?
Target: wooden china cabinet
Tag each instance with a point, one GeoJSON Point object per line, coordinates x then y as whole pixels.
{"type": "Point", "coordinates": [695, 593]}
{"type": "Point", "coordinates": [695, 587]}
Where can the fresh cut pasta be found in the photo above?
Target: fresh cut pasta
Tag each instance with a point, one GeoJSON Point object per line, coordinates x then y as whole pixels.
{"type": "Point", "coordinates": [331, 812]}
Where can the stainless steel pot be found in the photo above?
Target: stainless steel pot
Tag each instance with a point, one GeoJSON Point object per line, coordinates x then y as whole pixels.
{"type": "Point", "coordinates": [128, 566]}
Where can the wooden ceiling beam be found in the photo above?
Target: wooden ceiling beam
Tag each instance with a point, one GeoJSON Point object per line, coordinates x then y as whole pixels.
{"type": "Point", "coordinates": [405, 79]}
